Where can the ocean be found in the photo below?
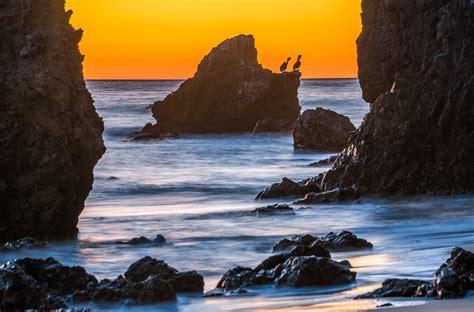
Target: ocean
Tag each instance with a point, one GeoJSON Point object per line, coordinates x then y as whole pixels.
{"type": "Point", "coordinates": [195, 191]}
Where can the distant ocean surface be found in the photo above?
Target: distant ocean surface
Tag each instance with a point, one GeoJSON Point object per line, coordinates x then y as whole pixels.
{"type": "Point", "coordinates": [192, 190]}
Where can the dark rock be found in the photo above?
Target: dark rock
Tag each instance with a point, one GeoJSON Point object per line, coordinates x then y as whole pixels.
{"type": "Point", "coordinates": [324, 162]}
{"type": "Point", "coordinates": [159, 239]}
{"type": "Point", "coordinates": [230, 92]}
{"type": "Point", "coordinates": [385, 305]}
{"type": "Point", "coordinates": [236, 278]}
{"type": "Point", "coordinates": [154, 132]}
{"type": "Point", "coordinates": [271, 125]}
{"type": "Point", "coordinates": [288, 188]}
{"type": "Point", "coordinates": [113, 179]}
{"type": "Point", "coordinates": [313, 271]}
{"type": "Point", "coordinates": [335, 195]}
{"type": "Point", "coordinates": [396, 288]}
{"type": "Point", "coordinates": [341, 240]}
{"type": "Point", "coordinates": [51, 134]}
{"type": "Point", "coordinates": [416, 68]}
{"type": "Point", "coordinates": [27, 242]}
{"type": "Point", "coordinates": [322, 130]}
{"type": "Point", "coordinates": [272, 210]}
{"type": "Point", "coordinates": [142, 240]}
{"type": "Point", "coordinates": [181, 282]}
{"type": "Point", "coordinates": [453, 279]}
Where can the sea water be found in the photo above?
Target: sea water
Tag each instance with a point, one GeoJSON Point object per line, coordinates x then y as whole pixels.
{"type": "Point", "coordinates": [195, 191]}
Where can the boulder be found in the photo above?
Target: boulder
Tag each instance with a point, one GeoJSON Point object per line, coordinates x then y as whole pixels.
{"type": "Point", "coordinates": [271, 125]}
{"type": "Point", "coordinates": [302, 266]}
{"type": "Point", "coordinates": [142, 240]}
{"type": "Point", "coordinates": [51, 133]}
{"type": "Point", "coordinates": [154, 132]}
{"type": "Point", "coordinates": [290, 188]}
{"type": "Point", "coordinates": [416, 69]}
{"type": "Point", "coordinates": [324, 162]}
{"type": "Point", "coordinates": [343, 240]}
{"type": "Point", "coordinates": [322, 130]}
{"type": "Point", "coordinates": [181, 282]}
{"type": "Point", "coordinates": [272, 210]}
{"type": "Point", "coordinates": [230, 92]}
{"type": "Point", "coordinates": [452, 280]}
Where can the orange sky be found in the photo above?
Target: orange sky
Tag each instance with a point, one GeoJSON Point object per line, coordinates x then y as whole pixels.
{"type": "Point", "coordinates": [161, 39]}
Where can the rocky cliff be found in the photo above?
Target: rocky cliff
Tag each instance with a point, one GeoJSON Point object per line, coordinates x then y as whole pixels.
{"type": "Point", "coordinates": [416, 69]}
{"type": "Point", "coordinates": [51, 134]}
{"type": "Point", "coordinates": [230, 92]}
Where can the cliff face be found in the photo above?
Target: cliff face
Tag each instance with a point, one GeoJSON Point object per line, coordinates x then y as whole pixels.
{"type": "Point", "coordinates": [416, 61]}
{"type": "Point", "coordinates": [230, 92]}
{"type": "Point", "coordinates": [51, 134]}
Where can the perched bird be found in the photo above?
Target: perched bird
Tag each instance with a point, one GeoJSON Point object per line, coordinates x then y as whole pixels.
{"type": "Point", "coordinates": [297, 65]}
{"type": "Point", "coordinates": [284, 66]}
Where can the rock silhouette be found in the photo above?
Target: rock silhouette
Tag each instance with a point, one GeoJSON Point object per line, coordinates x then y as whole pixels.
{"type": "Point", "coordinates": [230, 92]}
{"type": "Point", "coordinates": [416, 63]}
{"type": "Point", "coordinates": [51, 134]}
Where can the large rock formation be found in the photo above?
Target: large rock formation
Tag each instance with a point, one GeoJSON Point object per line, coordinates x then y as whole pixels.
{"type": "Point", "coordinates": [416, 68]}
{"type": "Point", "coordinates": [51, 134]}
{"type": "Point", "coordinates": [230, 92]}
{"type": "Point", "coordinates": [322, 130]}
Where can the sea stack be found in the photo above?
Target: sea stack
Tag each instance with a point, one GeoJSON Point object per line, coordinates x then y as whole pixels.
{"type": "Point", "coordinates": [51, 134]}
{"type": "Point", "coordinates": [229, 93]}
{"type": "Point", "coordinates": [416, 69]}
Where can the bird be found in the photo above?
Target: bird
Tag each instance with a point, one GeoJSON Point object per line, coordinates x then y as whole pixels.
{"type": "Point", "coordinates": [297, 65]}
{"type": "Point", "coordinates": [284, 66]}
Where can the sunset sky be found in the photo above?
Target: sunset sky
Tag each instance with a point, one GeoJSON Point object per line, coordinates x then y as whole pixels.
{"type": "Point", "coordinates": [166, 39]}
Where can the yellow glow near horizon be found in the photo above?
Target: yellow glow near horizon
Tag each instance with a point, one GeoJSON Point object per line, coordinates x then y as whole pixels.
{"type": "Point", "coordinates": [160, 39]}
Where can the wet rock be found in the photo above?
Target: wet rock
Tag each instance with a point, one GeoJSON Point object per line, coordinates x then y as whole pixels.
{"type": "Point", "coordinates": [271, 125]}
{"type": "Point", "coordinates": [322, 130]}
{"type": "Point", "coordinates": [154, 132]}
{"type": "Point", "coordinates": [335, 195]}
{"type": "Point", "coordinates": [324, 162]}
{"type": "Point", "coordinates": [51, 133]}
{"type": "Point", "coordinates": [142, 240]}
{"type": "Point", "coordinates": [416, 73]}
{"type": "Point", "coordinates": [396, 288]}
{"type": "Point", "coordinates": [272, 210]}
{"type": "Point", "coordinates": [230, 92]}
{"type": "Point", "coordinates": [313, 271]}
{"type": "Point", "coordinates": [236, 278]}
{"type": "Point", "coordinates": [287, 188]}
{"type": "Point", "coordinates": [343, 240]}
{"type": "Point", "coordinates": [26, 242]}
{"type": "Point", "coordinates": [452, 280]}
{"type": "Point", "coordinates": [181, 282]}
{"type": "Point", "coordinates": [385, 305]}
{"type": "Point", "coordinates": [332, 241]}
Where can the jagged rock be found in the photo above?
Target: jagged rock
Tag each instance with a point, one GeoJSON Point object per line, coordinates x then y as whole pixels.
{"type": "Point", "coordinates": [332, 241]}
{"type": "Point", "coordinates": [335, 195]}
{"type": "Point", "coordinates": [47, 284]}
{"type": "Point", "coordinates": [181, 282]}
{"type": "Point", "coordinates": [51, 134]}
{"type": "Point", "coordinates": [452, 280]}
{"type": "Point", "coordinates": [313, 271]}
{"type": "Point", "coordinates": [230, 92]}
{"type": "Point", "coordinates": [272, 210]}
{"type": "Point", "coordinates": [324, 162]}
{"type": "Point", "coordinates": [322, 130]}
{"type": "Point", "coordinates": [416, 68]}
{"type": "Point", "coordinates": [302, 266]}
{"type": "Point", "coordinates": [142, 240]}
{"type": "Point", "coordinates": [154, 132]}
{"type": "Point", "coordinates": [287, 188]}
{"type": "Point", "coordinates": [26, 242]}
{"type": "Point", "coordinates": [396, 288]}
{"type": "Point", "coordinates": [270, 125]}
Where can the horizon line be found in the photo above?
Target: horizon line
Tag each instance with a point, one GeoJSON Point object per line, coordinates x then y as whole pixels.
{"type": "Point", "coordinates": [182, 79]}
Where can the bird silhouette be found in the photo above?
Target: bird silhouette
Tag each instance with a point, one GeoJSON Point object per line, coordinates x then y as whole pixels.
{"type": "Point", "coordinates": [284, 66]}
{"type": "Point", "coordinates": [297, 65]}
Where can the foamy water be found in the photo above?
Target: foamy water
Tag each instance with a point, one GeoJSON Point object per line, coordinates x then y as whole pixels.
{"type": "Point", "coordinates": [193, 190]}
